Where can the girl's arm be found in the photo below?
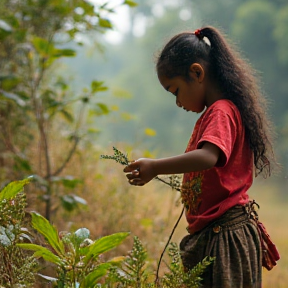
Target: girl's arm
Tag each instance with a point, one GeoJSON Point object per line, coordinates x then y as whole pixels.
{"type": "Point", "coordinates": [144, 170]}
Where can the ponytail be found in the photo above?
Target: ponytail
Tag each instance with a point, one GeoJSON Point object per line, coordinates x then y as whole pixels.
{"type": "Point", "coordinates": [235, 78]}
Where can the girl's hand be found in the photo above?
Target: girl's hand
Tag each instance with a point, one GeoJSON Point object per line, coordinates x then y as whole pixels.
{"type": "Point", "coordinates": [140, 172]}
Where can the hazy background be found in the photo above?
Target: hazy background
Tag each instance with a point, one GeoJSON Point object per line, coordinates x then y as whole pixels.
{"type": "Point", "coordinates": [140, 118]}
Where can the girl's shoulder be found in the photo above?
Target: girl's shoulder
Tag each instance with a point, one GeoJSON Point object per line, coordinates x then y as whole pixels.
{"type": "Point", "coordinates": [224, 105]}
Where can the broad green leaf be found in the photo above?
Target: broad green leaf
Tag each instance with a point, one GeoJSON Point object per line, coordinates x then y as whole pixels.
{"type": "Point", "coordinates": [102, 245]}
{"type": "Point", "coordinates": [41, 252]}
{"type": "Point", "coordinates": [150, 132]}
{"type": "Point", "coordinates": [105, 23]}
{"type": "Point", "coordinates": [43, 47]}
{"type": "Point", "coordinates": [12, 189]}
{"type": "Point", "coordinates": [90, 281]}
{"type": "Point", "coordinates": [43, 226]}
{"type": "Point", "coordinates": [130, 3]}
{"type": "Point", "coordinates": [103, 107]}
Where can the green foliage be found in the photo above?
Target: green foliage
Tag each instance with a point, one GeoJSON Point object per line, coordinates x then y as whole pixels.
{"type": "Point", "coordinates": [75, 255]}
{"type": "Point", "coordinates": [34, 36]}
{"type": "Point", "coordinates": [178, 277]}
{"type": "Point", "coordinates": [118, 156]}
{"type": "Point", "coordinates": [16, 268]}
{"type": "Point", "coordinates": [134, 272]}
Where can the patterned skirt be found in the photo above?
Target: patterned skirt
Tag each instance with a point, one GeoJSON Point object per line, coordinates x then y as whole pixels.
{"type": "Point", "coordinates": [234, 240]}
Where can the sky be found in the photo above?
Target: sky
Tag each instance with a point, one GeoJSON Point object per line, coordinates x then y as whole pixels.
{"type": "Point", "coordinates": [121, 18]}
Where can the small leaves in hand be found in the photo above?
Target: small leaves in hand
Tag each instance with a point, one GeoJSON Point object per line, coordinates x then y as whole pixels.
{"type": "Point", "coordinates": [118, 157]}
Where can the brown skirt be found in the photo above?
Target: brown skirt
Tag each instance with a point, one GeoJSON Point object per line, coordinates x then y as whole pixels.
{"type": "Point", "coordinates": [234, 240]}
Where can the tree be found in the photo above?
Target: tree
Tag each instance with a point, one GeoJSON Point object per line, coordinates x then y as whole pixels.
{"type": "Point", "coordinates": [37, 107]}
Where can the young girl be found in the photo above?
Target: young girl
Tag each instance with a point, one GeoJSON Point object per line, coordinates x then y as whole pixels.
{"type": "Point", "coordinates": [231, 136]}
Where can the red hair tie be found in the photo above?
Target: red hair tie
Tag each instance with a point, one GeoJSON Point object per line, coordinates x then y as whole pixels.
{"type": "Point", "coordinates": [199, 34]}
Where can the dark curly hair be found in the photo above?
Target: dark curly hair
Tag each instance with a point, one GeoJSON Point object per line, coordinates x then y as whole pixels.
{"type": "Point", "coordinates": [236, 80]}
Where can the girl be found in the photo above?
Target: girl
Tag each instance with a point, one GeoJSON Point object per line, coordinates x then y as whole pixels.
{"type": "Point", "coordinates": [204, 74]}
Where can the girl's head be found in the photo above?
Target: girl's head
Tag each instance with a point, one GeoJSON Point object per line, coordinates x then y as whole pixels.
{"type": "Point", "coordinates": [234, 78]}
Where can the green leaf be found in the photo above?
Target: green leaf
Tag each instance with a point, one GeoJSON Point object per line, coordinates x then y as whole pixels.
{"type": "Point", "coordinates": [70, 202]}
{"type": "Point", "coordinates": [22, 164]}
{"type": "Point", "coordinates": [41, 252]}
{"type": "Point", "coordinates": [43, 226]}
{"type": "Point", "coordinates": [12, 189]}
{"type": "Point", "coordinates": [97, 86]}
{"type": "Point", "coordinates": [102, 245]}
{"type": "Point", "coordinates": [64, 53]}
{"type": "Point", "coordinates": [91, 279]}
{"type": "Point", "coordinates": [8, 82]}
{"type": "Point", "coordinates": [43, 47]}
{"type": "Point", "coordinates": [105, 23]}
{"type": "Point", "coordinates": [104, 109]}
{"type": "Point", "coordinates": [67, 115]}
{"type": "Point", "coordinates": [70, 182]}
{"type": "Point", "coordinates": [130, 3]}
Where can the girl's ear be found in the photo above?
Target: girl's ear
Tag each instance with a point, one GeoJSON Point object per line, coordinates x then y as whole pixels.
{"type": "Point", "coordinates": [196, 72]}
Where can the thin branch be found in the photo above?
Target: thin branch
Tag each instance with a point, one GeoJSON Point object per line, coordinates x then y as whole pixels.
{"type": "Point", "coordinates": [170, 237]}
{"type": "Point", "coordinates": [69, 156]}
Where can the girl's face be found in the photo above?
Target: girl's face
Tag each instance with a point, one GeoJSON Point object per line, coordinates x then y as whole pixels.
{"type": "Point", "coordinates": [190, 95]}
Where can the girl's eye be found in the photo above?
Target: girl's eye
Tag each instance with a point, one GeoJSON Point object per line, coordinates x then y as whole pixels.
{"type": "Point", "coordinates": [176, 92]}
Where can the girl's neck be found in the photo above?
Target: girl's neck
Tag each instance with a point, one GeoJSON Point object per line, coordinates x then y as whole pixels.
{"type": "Point", "coordinates": [213, 93]}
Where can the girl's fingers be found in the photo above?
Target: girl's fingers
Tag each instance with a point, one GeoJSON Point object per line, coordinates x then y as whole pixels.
{"type": "Point", "coordinates": [136, 182]}
{"type": "Point", "coordinates": [132, 166]}
{"type": "Point", "coordinates": [134, 174]}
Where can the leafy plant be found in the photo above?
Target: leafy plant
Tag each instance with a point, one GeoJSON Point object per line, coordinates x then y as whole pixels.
{"type": "Point", "coordinates": [35, 101]}
{"type": "Point", "coordinates": [178, 277]}
{"type": "Point", "coordinates": [134, 272]}
{"type": "Point", "coordinates": [16, 268]}
{"type": "Point", "coordinates": [75, 255]}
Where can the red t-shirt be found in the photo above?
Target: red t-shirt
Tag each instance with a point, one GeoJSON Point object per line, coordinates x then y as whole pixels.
{"type": "Point", "coordinates": [208, 194]}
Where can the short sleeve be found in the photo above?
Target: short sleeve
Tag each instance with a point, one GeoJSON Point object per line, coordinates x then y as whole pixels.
{"type": "Point", "coordinates": [220, 128]}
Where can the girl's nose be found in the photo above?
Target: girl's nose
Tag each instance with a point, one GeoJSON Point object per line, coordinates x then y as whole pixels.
{"type": "Point", "coordinates": [178, 103]}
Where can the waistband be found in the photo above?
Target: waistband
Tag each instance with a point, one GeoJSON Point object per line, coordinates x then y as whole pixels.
{"type": "Point", "coordinates": [236, 215]}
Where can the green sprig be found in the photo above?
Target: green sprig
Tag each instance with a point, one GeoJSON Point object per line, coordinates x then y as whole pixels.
{"type": "Point", "coordinates": [120, 157]}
